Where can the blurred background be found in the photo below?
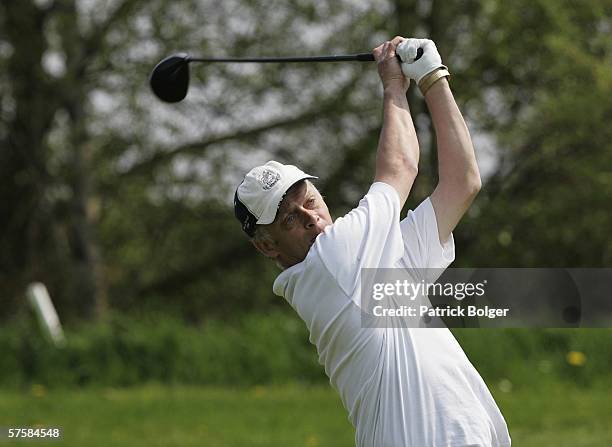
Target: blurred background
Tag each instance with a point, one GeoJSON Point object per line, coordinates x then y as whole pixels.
{"type": "Point", "coordinates": [122, 206]}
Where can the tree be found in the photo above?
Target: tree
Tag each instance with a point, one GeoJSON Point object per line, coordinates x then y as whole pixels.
{"type": "Point", "coordinates": [113, 197]}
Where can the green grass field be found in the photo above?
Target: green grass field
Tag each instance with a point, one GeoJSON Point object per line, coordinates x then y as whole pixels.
{"type": "Point", "coordinates": [292, 415]}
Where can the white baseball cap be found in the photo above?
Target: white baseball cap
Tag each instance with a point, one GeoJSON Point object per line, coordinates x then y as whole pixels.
{"type": "Point", "coordinates": [258, 197]}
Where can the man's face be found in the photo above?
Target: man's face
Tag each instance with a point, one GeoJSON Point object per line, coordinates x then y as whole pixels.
{"type": "Point", "coordinates": [302, 215]}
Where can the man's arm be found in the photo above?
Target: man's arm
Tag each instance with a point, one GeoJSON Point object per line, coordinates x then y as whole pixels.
{"type": "Point", "coordinates": [397, 156]}
{"type": "Point", "coordinates": [459, 177]}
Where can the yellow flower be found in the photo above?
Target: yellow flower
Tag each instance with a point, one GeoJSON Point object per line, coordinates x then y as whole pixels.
{"type": "Point", "coordinates": [38, 390]}
{"type": "Point", "coordinates": [575, 358]}
{"type": "Point", "coordinates": [258, 391]}
{"type": "Point", "coordinates": [312, 441]}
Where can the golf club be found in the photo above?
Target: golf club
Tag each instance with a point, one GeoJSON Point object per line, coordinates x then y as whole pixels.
{"type": "Point", "coordinates": [169, 79]}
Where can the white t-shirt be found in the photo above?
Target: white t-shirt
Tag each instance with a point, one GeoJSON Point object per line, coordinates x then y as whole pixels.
{"type": "Point", "coordinates": [401, 387]}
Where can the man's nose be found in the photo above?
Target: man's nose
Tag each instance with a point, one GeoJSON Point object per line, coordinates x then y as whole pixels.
{"type": "Point", "coordinates": [309, 218]}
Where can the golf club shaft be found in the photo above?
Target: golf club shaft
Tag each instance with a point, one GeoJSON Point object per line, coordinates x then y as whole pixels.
{"type": "Point", "coordinates": [334, 58]}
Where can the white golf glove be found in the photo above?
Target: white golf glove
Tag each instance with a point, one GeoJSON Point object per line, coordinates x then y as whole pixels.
{"type": "Point", "coordinates": [428, 62]}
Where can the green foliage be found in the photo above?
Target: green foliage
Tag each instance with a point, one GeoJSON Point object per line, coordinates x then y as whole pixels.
{"type": "Point", "coordinates": [527, 356]}
{"type": "Point", "coordinates": [265, 349]}
{"type": "Point", "coordinates": [548, 203]}
{"type": "Point", "coordinates": [126, 351]}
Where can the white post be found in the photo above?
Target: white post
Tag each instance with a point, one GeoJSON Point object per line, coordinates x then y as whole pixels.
{"type": "Point", "coordinates": [39, 299]}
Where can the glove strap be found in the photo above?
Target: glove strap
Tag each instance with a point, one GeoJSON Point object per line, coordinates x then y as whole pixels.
{"type": "Point", "coordinates": [432, 78]}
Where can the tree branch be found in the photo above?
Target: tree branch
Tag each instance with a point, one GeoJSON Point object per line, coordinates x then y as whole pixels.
{"type": "Point", "coordinates": [197, 147]}
{"type": "Point", "coordinates": [93, 42]}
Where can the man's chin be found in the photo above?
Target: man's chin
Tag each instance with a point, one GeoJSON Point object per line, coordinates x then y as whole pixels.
{"type": "Point", "coordinates": [308, 248]}
{"type": "Point", "coordinates": [290, 262]}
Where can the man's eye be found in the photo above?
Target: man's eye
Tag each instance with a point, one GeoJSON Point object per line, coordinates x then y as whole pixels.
{"type": "Point", "coordinates": [290, 219]}
{"type": "Point", "coordinates": [310, 201]}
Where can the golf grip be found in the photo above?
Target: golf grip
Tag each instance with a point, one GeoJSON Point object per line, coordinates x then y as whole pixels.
{"type": "Point", "coordinates": [365, 57]}
{"type": "Point", "coordinates": [370, 56]}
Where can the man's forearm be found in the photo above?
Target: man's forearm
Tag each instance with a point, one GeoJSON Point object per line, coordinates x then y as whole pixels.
{"type": "Point", "coordinates": [459, 178]}
{"type": "Point", "coordinates": [397, 157]}
{"type": "Point", "coordinates": [457, 165]}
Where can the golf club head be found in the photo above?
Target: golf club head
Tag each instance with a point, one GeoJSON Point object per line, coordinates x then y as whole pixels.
{"type": "Point", "coordinates": [169, 79]}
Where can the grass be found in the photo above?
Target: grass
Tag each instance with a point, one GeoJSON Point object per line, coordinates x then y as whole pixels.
{"type": "Point", "coordinates": [291, 415]}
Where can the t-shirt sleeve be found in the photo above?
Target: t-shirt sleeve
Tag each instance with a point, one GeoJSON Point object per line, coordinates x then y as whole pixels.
{"type": "Point", "coordinates": [423, 249]}
{"type": "Point", "coordinates": [369, 236]}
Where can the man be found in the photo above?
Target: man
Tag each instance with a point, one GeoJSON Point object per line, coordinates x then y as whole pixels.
{"type": "Point", "coordinates": [401, 387]}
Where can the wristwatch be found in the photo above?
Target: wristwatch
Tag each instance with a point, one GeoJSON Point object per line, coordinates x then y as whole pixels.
{"type": "Point", "coordinates": [432, 78]}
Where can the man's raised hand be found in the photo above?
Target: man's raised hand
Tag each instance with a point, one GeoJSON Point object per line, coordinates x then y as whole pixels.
{"type": "Point", "coordinates": [389, 68]}
{"type": "Point", "coordinates": [428, 62]}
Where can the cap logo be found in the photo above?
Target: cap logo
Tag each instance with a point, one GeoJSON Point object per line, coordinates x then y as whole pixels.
{"type": "Point", "coordinates": [268, 178]}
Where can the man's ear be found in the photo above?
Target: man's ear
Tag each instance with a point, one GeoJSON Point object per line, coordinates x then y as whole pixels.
{"type": "Point", "coordinates": [266, 247]}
